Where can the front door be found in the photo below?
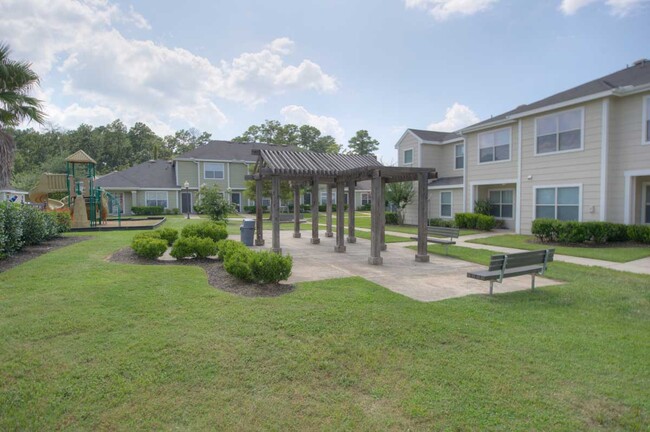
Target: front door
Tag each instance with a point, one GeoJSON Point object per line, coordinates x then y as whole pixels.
{"type": "Point", "coordinates": [118, 199]}
{"type": "Point", "coordinates": [646, 203]}
{"type": "Point", "coordinates": [186, 202]}
{"type": "Point", "coordinates": [235, 198]}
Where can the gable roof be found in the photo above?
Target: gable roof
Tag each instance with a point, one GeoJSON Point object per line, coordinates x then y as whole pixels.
{"type": "Point", "coordinates": [230, 151]}
{"type": "Point", "coordinates": [80, 156]}
{"type": "Point", "coordinates": [158, 174]}
{"type": "Point", "coordinates": [434, 136]}
{"type": "Point", "coordinates": [311, 163]}
{"type": "Point", "coordinates": [636, 75]}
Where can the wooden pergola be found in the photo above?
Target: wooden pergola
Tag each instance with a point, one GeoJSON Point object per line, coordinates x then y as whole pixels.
{"type": "Point", "coordinates": [336, 172]}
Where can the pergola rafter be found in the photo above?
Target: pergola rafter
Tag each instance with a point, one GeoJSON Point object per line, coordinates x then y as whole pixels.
{"type": "Point", "coordinates": [336, 171]}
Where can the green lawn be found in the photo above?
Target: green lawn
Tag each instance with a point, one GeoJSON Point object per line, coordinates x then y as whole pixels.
{"type": "Point", "coordinates": [88, 344]}
{"type": "Point", "coordinates": [609, 253]}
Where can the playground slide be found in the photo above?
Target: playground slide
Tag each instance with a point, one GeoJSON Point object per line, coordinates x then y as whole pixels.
{"type": "Point", "coordinates": [53, 204]}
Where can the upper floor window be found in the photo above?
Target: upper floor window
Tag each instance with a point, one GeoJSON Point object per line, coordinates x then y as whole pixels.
{"type": "Point", "coordinates": [646, 120]}
{"type": "Point", "coordinates": [494, 146]}
{"type": "Point", "coordinates": [562, 203]}
{"type": "Point", "coordinates": [156, 199]}
{"type": "Point", "coordinates": [213, 171]}
{"type": "Point", "coordinates": [408, 156]}
{"type": "Point", "coordinates": [460, 156]}
{"type": "Point", "coordinates": [559, 132]}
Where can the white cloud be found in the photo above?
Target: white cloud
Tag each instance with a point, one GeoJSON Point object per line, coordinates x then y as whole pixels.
{"type": "Point", "coordinates": [616, 7]}
{"type": "Point", "coordinates": [327, 125]}
{"type": "Point", "coordinates": [457, 117]}
{"type": "Point", "coordinates": [104, 71]}
{"type": "Point", "coordinates": [442, 10]}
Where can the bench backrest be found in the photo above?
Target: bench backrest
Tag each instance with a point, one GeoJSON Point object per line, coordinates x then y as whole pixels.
{"type": "Point", "coordinates": [522, 259]}
{"type": "Point", "coordinates": [443, 231]}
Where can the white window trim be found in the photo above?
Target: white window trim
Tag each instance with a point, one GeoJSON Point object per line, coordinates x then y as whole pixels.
{"type": "Point", "coordinates": [514, 208]}
{"type": "Point", "coordinates": [578, 185]}
{"type": "Point", "coordinates": [644, 204]}
{"type": "Point", "coordinates": [451, 205]}
{"type": "Point", "coordinates": [223, 171]}
{"type": "Point", "coordinates": [404, 158]}
{"type": "Point", "coordinates": [367, 194]}
{"type": "Point", "coordinates": [582, 132]}
{"type": "Point", "coordinates": [478, 147]}
{"type": "Point", "coordinates": [456, 157]}
{"type": "Point", "coordinates": [645, 116]}
{"type": "Point", "coordinates": [146, 197]}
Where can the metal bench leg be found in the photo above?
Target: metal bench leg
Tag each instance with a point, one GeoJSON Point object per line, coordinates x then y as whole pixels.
{"type": "Point", "coordinates": [446, 249]}
{"type": "Point", "coordinates": [532, 285]}
{"type": "Point", "coordinates": [491, 286]}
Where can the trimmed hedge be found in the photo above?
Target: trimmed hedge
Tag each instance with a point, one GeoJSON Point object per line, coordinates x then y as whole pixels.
{"type": "Point", "coordinates": [250, 266]}
{"type": "Point", "coordinates": [147, 210]}
{"type": "Point", "coordinates": [437, 222]}
{"type": "Point", "coordinates": [168, 234]}
{"type": "Point", "coordinates": [391, 218]}
{"type": "Point", "coordinates": [364, 207]}
{"type": "Point", "coordinates": [193, 247]}
{"type": "Point", "coordinates": [25, 225]}
{"type": "Point", "coordinates": [551, 230]}
{"type": "Point", "coordinates": [148, 246]}
{"type": "Point", "coordinates": [474, 221]}
{"type": "Point", "coordinates": [209, 229]}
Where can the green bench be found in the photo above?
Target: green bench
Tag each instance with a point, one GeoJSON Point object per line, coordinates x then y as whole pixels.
{"type": "Point", "coordinates": [516, 264]}
{"type": "Point", "coordinates": [443, 235]}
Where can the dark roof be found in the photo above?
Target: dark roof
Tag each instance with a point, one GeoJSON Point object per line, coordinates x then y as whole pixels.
{"type": "Point", "coordinates": [637, 74]}
{"type": "Point", "coordinates": [229, 150]}
{"type": "Point", "coordinates": [447, 181]}
{"type": "Point", "coordinates": [158, 174]}
{"type": "Point", "coordinates": [435, 136]}
{"type": "Point", "coordinates": [363, 185]}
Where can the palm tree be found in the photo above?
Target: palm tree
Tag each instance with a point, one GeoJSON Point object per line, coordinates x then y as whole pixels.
{"type": "Point", "coordinates": [16, 80]}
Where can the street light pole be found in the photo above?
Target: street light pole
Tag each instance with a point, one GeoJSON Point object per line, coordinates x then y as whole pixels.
{"type": "Point", "coordinates": [187, 190]}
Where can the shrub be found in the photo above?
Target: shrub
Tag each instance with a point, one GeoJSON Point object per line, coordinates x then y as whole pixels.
{"type": "Point", "coordinates": [545, 230]}
{"type": "Point", "coordinates": [474, 221]}
{"type": "Point", "coordinates": [193, 247]}
{"type": "Point", "coordinates": [483, 207]}
{"type": "Point", "coordinates": [225, 248]}
{"type": "Point", "coordinates": [213, 203]}
{"type": "Point", "coordinates": [639, 233]}
{"type": "Point", "coordinates": [250, 209]}
{"type": "Point", "coordinates": [305, 208]}
{"type": "Point", "coordinates": [550, 230]}
{"type": "Point", "coordinates": [11, 228]}
{"type": "Point", "coordinates": [34, 230]}
{"type": "Point", "coordinates": [168, 234]}
{"type": "Point", "coordinates": [173, 211]}
{"type": "Point", "coordinates": [147, 210]}
{"type": "Point", "coordinates": [268, 267]}
{"type": "Point", "coordinates": [63, 221]}
{"type": "Point", "coordinates": [147, 234]}
{"type": "Point", "coordinates": [208, 229]}
{"type": "Point", "coordinates": [148, 247]}
{"type": "Point", "coordinates": [51, 225]}
{"type": "Point", "coordinates": [572, 232]}
{"type": "Point", "coordinates": [392, 218]}
{"type": "Point", "coordinates": [485, 222]}
{"type": "Point", "coordinates": [437, 222]}
{"type": "Point", "coordinates": [238, 264]}
{"type": "Point", "coordinates": [364, 207]}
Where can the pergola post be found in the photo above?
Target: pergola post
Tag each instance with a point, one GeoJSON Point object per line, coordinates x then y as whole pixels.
{"type": "Point", "coordinates": [314, 212]}
{"type": "Point", "coordinates": [328, 212]}
{"type": "Point", "coordinates": [377, 215]}
{"type": "Point", "coordinates": [423, 195]}
{"type": "Point", "coordinates": [340, 217]}
{"type": "Point", "coordinates": [382, 203]}
{"type": "Point", "coordinates": [259, 239]}
{"type": "Point", "coordinates": [351, 208]}
{"type": "Point", "coordinates": [275, 214]}
{"type": "Point", "coordinates": [296, 211]}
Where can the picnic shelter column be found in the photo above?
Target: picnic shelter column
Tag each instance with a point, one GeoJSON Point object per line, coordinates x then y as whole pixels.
{"type": "Point", "coordinates": [296, 211]}
{"type": "Point", "coordinates": [275, 214]}
{"type": "Point", "coordinates": [423, 195]}
{"type": "Point", "coordinates": [382, 203]}
{"type": "Point", "coordinates": [314, 211]}
{"type": "Point", "coordinates": [328, 212]}
{"type": "Point", "coordinates": [259, 240]}
{"type": "Point", "coordinates": [340, 217]}
{"type": "Point", "coordinates": [351, 208]}
{"type": "Point", "coordinates": [376, 216]}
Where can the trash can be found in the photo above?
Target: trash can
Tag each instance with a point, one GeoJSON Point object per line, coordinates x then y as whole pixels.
{"type": "Point", "coordinates": [247, 231]}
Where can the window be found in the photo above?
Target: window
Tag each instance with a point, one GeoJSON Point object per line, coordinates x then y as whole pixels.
{"type": "Point", "coordinates": [460, 156]}
{"type": "Point", "coordinates": [494, 146]}
{"type": "Point", "coordinates": [445, 204]}
{"type": "Point", "coordinates": [408, 156]}
{"type": "Point", "coordinates": [562, 203]}
{"type": "Point", "coordinates": [266, 202]}
{"type": "Point", "coordinates": [158, 199]}
{"type": "Point", "coordinates": [646, 120]}
{"type": "Point", "coordinates": [306, 198]}
{"type": "Point", "coordinates": [213, 171]}
{"type": "Point", "coordinates": [323, 197]}
{"type": "Point", "coordinates": [559, 132]}
{"type": "Point", "coordinates": [501, 203]}
{"type": "Point", "coordinates": [365, 199]}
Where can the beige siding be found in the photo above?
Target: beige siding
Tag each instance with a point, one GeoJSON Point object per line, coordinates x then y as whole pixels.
{"type": "Point", "coordinates": [408, 142]}
{"type": "Point", "coordinates": [492, 170]}
{"type": "Point", "coordinates": [238, 172]}
{"type": "Point", "coordinates": [187, 171]}
{"type": "Point", "coordinates": [434, 202]}
{"type": "Point", "coordinates": [625, 152]}
{"type": "Point", "coordinates": [442, 158]}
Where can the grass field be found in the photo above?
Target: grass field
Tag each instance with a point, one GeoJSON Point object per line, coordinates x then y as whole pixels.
{"type": "Point", "coordinates": [607, 253]}
{"type": "Point", "coordinates": [89, 344]}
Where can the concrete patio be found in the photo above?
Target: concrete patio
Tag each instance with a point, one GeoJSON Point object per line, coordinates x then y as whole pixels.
{"type": "Point", "coordinates": [439, 279]}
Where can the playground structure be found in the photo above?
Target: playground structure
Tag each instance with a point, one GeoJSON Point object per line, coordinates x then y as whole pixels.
{"type": "Point", "coordinates": [87, 204]}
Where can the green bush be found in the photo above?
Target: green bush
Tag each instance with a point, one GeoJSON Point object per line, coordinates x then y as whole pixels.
{"type": "Point", "coordinates": [485, 222]}
{"type": "Point", "coordinates": [51, 225]}
{"type": "Point", "coordinates": [437, 222]}
{"type": "Point", "coordinates": [483, 207]}
{"type": "Point", "coordinates": [545, 230]}
{"type": "Point", "coordinates": [34, 230]}
{"type": "Point", "coordinates": [225, 248]}
{"type": "Point", "coordinates": [250, 209]}
{"type": "Point", "coordinates": [147, 210]}
{"type": "Point", "coordinates": [11, 228]}
{"type": "Point", "coordinates": [551, 230]}
{"type": "Point", "coordinates": [268, 267]}
{"type": "Point", "coordinates": [63, 221]}
{"type": "Point", "coordinates": [193, 247]}
{"type": "Point", "coordinates": [173, 211]}
{"type": "Point", "coordinates": [168, 234]}
{"type": "Point", "coordinates": [238, 264]}
{"type": "Point", "coordinates": [392, 218]}
{"type": "Point", "coordinates": [639, 233]}
{"type": "Point", "coordinates": [208, 229]}
{"type": "Point", "coordinates": [364, 207]}
{"type": "Point", "coordinates": [147, 234]}
{"type": "Point", "coordinates": [474, 221]}
{"type": "Point", "coordinates": [148, 247]}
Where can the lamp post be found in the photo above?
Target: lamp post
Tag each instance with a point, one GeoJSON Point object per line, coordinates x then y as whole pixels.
{"type": "Point", "coordinates": [186, 185]}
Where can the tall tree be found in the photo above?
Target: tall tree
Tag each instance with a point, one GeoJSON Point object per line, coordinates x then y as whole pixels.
{"type": "Point", "coordinates": [400, 195]}
{"type": "Point", "coordinates": [185, 140]}
{"type": "Point", "coordinates": [305, 137]}
{"type": "Point", "coordinates": [363, 144]}
{"type": "Point", "coordinates": [17, 79]}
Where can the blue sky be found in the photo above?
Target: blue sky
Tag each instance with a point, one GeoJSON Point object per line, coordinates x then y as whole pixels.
{"type": "Point", "coordinates": [221, 66]}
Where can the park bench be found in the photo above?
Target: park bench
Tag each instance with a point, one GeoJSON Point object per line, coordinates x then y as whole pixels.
{"type": "Point", "coordinates": [516, 264]}
{"type": "Point", "coordinates": [443, 235]}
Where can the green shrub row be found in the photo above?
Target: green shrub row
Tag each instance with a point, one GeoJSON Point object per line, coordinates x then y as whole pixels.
{"type": "Point", "coordinates": [250, 266]}
{"type": "Point", "coordinates": [148, 246]}
{"type": "Point", "coordinates": [437, 222]}
{"type": "Point", "coordinates": [193, 247]}
{"type": "Point", "coordinates": [551, 230]}
{"type": "Point", "coordinates": [209, 229]}
{"type": "Point", "coordinates": [147, 210]}
{"type": "Point", "coordinates": [474, 221]}
{"type": "Point", "coordinates": [24, 225]}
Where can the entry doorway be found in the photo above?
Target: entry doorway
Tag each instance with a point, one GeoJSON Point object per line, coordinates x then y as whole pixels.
{"type": "Point", "coordinates": [235, 198]}
{"type": "Point", "coordinates": [646, 203]}
{"type": "Point", "coordinates": [186, 202]}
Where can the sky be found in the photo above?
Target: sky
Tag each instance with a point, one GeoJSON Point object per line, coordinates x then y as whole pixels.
{"type": "Point", "coordinates": [339, 65]}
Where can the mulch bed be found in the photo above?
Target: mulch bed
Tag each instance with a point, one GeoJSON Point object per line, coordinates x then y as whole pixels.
{"type": "Point", "coordinates": [30, 252]}
{"type": "Point", "coordinates": [217, 276]}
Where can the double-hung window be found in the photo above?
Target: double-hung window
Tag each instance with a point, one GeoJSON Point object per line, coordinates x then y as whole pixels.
{"type": "Point", "coordinates": [365, 199]}
{"type": "Point", "coordinates": [646, 120]}
{"type": "Point", "coordinates": [494, 146]}
{"type": "Point", "coordinates": [323, 197]}
{"type": "Point", "coordinates": [562, 203]}
{"type": "Point", "coordinates": [156, 199]}
{"type": "Point", "coordinates": [408, 156]}
{"type": "Point", "coordinates": [213, 171]}
{"type": "Point", "coordinates": [501, 203]}
{"type": "Point", "coordinates": [459, 150]}
{"type": "Point", "coordinates": [306, 198]}
{"type": "Point", "coordinates": [559, 132]}
{"type": "Point", "coordinates": [445, 204]}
